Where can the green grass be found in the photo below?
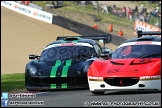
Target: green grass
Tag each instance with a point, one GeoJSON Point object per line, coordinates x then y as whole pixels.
{"type": "Point", "coordinates": [88, 9]}
{"type": "Point", "coordinates": [108, 18]}
{"type": "Point", "coordinates": [146, 4]}
{"type": "Point", "coordinates": [10, 82]}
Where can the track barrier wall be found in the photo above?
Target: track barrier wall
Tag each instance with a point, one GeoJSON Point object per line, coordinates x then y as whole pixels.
{"type": "Point", "coordinates": [28, 11]}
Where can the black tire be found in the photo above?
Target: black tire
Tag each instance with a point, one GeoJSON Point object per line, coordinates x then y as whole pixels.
{"type": "Point", "coordinates": [98, 92]}
{"type": "Point", "coordinates": [28, 82]}
{"type": "Point", "coordinates": [29, 89]}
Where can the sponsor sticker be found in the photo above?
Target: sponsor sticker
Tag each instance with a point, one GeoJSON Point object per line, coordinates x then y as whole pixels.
{"type": "Point", "coordinates": [42, 15]}
{"type": "Point", "coordinates": [143, 42]}
{"type": "Point", "coordinates": [150, 77]}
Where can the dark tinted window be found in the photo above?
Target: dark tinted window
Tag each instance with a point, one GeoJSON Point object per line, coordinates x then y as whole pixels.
{"type": "Point", "coordinates": [97, 49]}
{"type": "Point", "coordinates": [134, 51]}
{"type": "Point", "coordinates": [67, 52]}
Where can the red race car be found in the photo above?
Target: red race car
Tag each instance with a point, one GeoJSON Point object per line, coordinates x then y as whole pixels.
{"type": "Point", "coordinates": [134, 65]}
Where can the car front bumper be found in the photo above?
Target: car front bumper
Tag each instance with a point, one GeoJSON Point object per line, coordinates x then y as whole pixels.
{"type": "Point", "coordinates": [100, 85]}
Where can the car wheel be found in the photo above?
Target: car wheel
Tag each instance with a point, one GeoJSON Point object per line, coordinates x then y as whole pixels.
{"type": "Point", "coordinates": [29, 89]}
{"type": "Point", "coordinates": [97, 92]}
{"type": "Point", "coordinates": [27, 83]}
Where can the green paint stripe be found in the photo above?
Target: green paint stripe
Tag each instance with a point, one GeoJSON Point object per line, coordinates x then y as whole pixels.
{"type": "Point", "coordinates": [65, 68]}
{"type": "Point", "coordinates": [74, 41]}
{"type": "Point", "coordinates": [64, 71]}
{"type": "Point", "coordinates": [64, 85]}
{"type": "Point", "coordinates": [68, 62]}
{"type": "Point", "coordinates": [58, 63]}
{"type": "Point", "coordinates": [64, 41]}
{"type": "Point", "coordinates": [53, 86]}
{"type": "Point", "coordinates": [54, 69]}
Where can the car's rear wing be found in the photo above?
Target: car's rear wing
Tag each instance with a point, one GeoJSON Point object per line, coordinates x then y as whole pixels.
{"type": "Point", "coordinates": [99, 38]}
{"type": "Point", "coordinates": [140, 33]}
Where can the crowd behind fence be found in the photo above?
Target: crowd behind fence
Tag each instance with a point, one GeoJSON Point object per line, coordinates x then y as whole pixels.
{"type": "Point", "coordinates": [137, 13]}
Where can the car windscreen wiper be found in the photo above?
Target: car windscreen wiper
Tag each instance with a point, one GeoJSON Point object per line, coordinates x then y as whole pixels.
{"type": "Point", "coordinates": [150, 55]}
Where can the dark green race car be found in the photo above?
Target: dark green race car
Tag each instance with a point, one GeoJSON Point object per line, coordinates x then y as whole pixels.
{"type": "Point", "coordinates": [63, 64]}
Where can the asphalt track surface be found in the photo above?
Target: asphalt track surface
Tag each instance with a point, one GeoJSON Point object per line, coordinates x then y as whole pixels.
{"type": "Point", "coordinates": [82, 98]}
{"type": "Point", "coordinates": [56, 98]}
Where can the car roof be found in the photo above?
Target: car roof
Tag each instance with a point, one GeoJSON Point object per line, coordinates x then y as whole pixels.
{"type": "Point", "coordinates": [145, 38]}
{"type": "Point", "coordinates": [80, 40]}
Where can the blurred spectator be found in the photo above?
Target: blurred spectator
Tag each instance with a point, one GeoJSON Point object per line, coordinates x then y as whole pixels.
{"type": "Point", "coordinates": [104, 8]}
{"type": "Point", "coordinates": [137, 16]}
{"type": "Point", "coordinates": [114, 6]}
{"type": "Point", "coordinates": [141, 18]}
{"type": "Point", "coordinates": [159, 14]}
{"type": "Point", "coordinates": [115, 11]}
{"type": "Point", "coordinates": [120, 13]}
{"type": "Point", "coordinates": [129, 11]}
{"type": "Point", "coordinates": [95, 3]}
{"type": "Point", "coordinates": [148, 17]}
{"type": "Point", "coordinates": [53, 3]}
{"type": "Point", "coordinates": [159, 4]}
{"type": "Point", "coordinates": [145, 17]}
{"type": "Point", "coordinates": [154, 12]}
{"type": "Point", "coordinates": [124, 11]}
{"type": "Point", "coordinates": [142, 9]}
{"type": "Point", "coordinates": [110, 10]}
{"type": "Point", "coordinates": [135, 9]}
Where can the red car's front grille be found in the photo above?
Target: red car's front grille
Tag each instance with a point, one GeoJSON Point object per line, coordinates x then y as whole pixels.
{"type": "Point", "coordinates": [121, 81]}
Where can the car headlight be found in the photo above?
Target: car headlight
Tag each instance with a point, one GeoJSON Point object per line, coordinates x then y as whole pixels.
{"type": "Point", "coordinates": [85, 68]}
{"type": "Point", "coordinates": [33, 70]}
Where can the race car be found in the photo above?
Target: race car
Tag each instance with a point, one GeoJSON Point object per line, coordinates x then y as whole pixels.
{"type": "Point", "coordinates": [134, 65]}
{"type": "Point", "coordinates": [63, 64]}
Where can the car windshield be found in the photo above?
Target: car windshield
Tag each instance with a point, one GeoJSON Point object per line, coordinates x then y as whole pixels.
{"type": "Point", "coordinates": [67, 52]}
{"type": "Point", "coordinates": [137, 51]}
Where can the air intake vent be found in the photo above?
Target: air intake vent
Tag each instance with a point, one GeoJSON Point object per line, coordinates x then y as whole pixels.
{"type": "Point", "coordinates": [145, 38]}
{"type": "Point", "coordinates": [116, 63]}
{"type": "Point", "coordinates": [125, 81]}
{"type": "Point", "coordinates": [71, 38]}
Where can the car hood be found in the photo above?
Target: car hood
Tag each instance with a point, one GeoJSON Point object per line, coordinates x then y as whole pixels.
{"type": "Point", "coordinates": [125, 67]}
{"type": "Point", "coordinates": [62, 62]}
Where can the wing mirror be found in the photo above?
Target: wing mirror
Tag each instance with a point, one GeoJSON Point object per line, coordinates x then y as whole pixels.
{"type": "Point", "coordinates": [32, 56]}
{"type": "Point", "coordinates": [106, 53]}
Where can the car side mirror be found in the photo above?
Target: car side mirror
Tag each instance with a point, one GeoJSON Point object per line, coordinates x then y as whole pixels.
{"type": "Point", "coordinates": [105, 55]}
{"type": "Point", "coordinates": [32, 56]}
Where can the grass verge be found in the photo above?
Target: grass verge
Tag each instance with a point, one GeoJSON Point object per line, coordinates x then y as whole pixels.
{"type": "Point", "coordinates": [12, 82]}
